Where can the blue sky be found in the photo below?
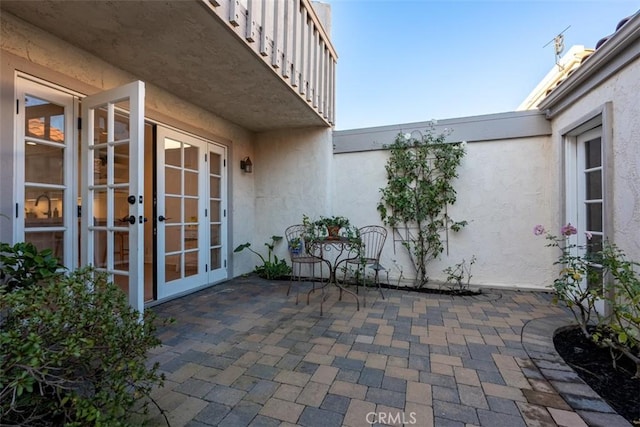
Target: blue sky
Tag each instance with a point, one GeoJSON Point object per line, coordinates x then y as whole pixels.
{"type": "Point", "coordinates": [402, 61]}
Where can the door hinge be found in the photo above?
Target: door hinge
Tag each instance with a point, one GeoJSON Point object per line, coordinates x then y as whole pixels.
{"type": "Point", "coordinates": [17, 106]}
{"type": "Point", "coordinates": [225, 263]}
{"type": "Point", "coordinates": [206, 268]}
{"type": "Point", "coordinates": [17, 210]}
{"type": "Point", "coordinates": [224, 213]}
{"type": "Point", "coordinates": [224, 163]}
{"type": "Point", "coordinates": [79, 123]}
{"type": "Point", "coordinates": [205, 158]}
{"type": "Point", "coordinates": [206, 213]}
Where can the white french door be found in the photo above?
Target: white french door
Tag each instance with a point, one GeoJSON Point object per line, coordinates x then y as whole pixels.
{"type": "Point", "coordinates": [45, 156]}
{"type": "Point", "coordinates": [190, 223]}
{"type": "Point", "coordinates": [585, 202]}
{"type": "Point", "coordinates": [217, 213]}
{"type": "Point", "coordinates": [113, 187]}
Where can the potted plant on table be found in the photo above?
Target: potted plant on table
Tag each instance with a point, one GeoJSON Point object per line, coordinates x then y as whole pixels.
{"type": "Point", "coordinates": [329, 228]}
{"type": "Point", "coordinates": [333, 225]}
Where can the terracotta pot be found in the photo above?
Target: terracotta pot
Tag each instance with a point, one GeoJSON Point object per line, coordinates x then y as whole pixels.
{"type": "Point", "coordinates": [333, 232]}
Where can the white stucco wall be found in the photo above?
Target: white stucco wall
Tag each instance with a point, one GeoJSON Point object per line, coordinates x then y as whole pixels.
{"type": "Point", "coordinates": [505, 188]}
{"type": "Point", "coordinates": [622, 91]}
{"type": "Point", "coordinates": [292, 176]}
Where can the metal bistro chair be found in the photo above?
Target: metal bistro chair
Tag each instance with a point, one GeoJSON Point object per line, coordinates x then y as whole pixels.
{"type": "Point", "coordinates": [299, 256]}
{"type": "Point", "coordinates": [372, 238]}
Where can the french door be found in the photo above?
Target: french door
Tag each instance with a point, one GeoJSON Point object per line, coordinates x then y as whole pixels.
{"type": "Point", "coordinates": [113, 187]}
{"type": "Point", "coordinates": [190, 207]}
{"type": "Point", "coordinates": [45, 154]}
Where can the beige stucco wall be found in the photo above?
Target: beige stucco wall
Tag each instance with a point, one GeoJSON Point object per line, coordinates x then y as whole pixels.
{"type": "Point", "coordinates": [505, 188]}
{"type": "Point", "coordinates": [297, 161]}
{"type": "Point", "coordinates": [292, 177]}
{"type": "Point", "coordinates": [624, 163]}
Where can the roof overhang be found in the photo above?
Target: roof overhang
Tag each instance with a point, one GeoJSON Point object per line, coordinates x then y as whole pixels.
{"type": "Point", "coordinates": [620, 50]}
{"type": "Point", "coordinates": [181, 47]}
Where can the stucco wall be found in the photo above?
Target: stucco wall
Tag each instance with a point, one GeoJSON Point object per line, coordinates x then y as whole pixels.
{"type": "Point", "coordinates": [292, 176]}
{"type": "Point", "coordinates": [624, 174]}
{"type": "Point", "coordinates": [505, 188]}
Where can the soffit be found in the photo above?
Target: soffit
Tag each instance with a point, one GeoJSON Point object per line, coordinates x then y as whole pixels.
{"type": "Point", "coordinates": [181, 47]}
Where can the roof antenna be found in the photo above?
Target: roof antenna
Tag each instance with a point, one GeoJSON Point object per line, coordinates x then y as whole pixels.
{"type": "Point", "coordinates": [558, 42]}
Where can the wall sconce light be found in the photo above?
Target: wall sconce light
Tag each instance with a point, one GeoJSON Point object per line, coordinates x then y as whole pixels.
{"type": "Point", "coordinates": [246, 165]}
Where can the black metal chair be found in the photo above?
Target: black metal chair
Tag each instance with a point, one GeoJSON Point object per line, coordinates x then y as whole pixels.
{"type": "Point", "coordinates": [372, 238]}
{"type": "Point", "coordinates": [299, 256]}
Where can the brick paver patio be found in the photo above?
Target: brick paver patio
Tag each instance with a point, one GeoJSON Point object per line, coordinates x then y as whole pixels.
{"type": "Point", "coordinates": [244, 354]}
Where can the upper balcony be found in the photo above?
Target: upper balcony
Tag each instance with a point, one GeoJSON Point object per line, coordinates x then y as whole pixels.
{"type": "Point", "coordinates": [263, 64]}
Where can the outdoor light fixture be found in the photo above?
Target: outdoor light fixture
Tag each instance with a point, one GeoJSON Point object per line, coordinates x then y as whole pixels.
{"type": "Point", "coordinates": [246, 165]}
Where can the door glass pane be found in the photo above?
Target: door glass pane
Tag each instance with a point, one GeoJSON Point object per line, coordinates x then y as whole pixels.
{"type": "Point", "coordinates": [215, 258]}
{"type": "Point", "coordinates": [172, 152]}
{"type": "Point", "coordinates": [214, 185]}
{"type": "Point", "coordinates": [121, 248]}
{"type": "Point", "coordinates": [190, 157]}
{"type": "Point", "coordinates": [44, 163]}
{"type": "Point", "coordinates": [121, 163]}
{"type": "Point", "coordinates": [43, 207]}
{"type": "Point", "coordinates": [214, 163]}
{"type": "Point", "coordinates": [121, 126]}
{"type": "Point", "coordinates": [100, 165]}
{"type": "Point", "coordinates": [173, 209]}
{"type": "Point", "coordinates": [100, 248]}
{"type": "Point", "coordinates": [173, 238]}
{"type": "Point", "coordinates": [100, 207]}
{"type": "Point", "coordinates": [191, 210]}
{"type": "Point", "coordinates": [122, 282]}
{"type": "Point", "coordinates": [215, 210]}
{"type": "Point", "coordinates": [53, 240]}
{"type": "Point", "coordinates": [592, 153]}
{"type": "Point", "coordinates": [594, 245]}
{"type": "Point", "coordinates": [594, 216]}
{"type": "Point", "coordinates": [121, 208]}
{"type": "Point", "coordinates": [190, 183]}
{"type": "Point", "coordinates": [594, 184]}
{"type": "Point", "coordinates": [215, 234]}
{"type": "Point", "coordinates": [100, 126]}
{"type": "Point", "coordinates": [173, 180]}
{"type": "Point", "coordinates": [44, 120]}
{"type": "Point", "coordinates": [190, 263]}
{"type": "Point", "coordinates": [172, 270]}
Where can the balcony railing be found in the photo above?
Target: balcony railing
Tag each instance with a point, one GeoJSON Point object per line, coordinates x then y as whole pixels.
{"type": "Point", "coordinates": [287, 35]}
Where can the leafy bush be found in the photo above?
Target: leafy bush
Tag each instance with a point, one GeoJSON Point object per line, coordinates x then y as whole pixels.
{"type": "Point", "coordinates": [23, 265]}
{"type": "Point", "coordinates": [591, 275]}
{"type": "Point", "coordinates": [459, 276]}
{"type": "Point", "coordinates": [420, 175]}
{"type": "Point", "coordinates": [73, 351]}
{"type": "Point", "coordinates": [272, 267]}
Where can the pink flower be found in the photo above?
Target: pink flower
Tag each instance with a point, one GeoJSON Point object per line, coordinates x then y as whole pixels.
{"type": "Point", "coordinates": [588, 234]}
{"type": "Point", "coordinates": [568, 230]}
{"type": "Point", "coordinates": [538, 230]}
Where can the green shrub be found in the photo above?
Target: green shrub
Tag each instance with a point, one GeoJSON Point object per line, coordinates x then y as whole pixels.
{"type": "Point", "coordinates": [591, 276]}
{"type": "Point", "coordinates": [73, 352]}
{"type": "Point", "coordinates": [420, 176]}
{"type": "Point", "coordinates": [272, 267]}
{"type": "Point", "coordinates": [23, 265]}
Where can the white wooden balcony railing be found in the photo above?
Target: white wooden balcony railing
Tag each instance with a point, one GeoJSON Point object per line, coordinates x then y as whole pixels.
{"type": "Point", "coordinates": [287, 35]}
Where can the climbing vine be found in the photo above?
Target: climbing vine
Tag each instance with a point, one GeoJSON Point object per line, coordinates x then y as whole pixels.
{"type": "Point", "coordinates": [420, 175]}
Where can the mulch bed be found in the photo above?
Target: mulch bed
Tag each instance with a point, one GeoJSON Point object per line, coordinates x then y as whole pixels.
{"type": "Point", "coordinates": [594, 365]}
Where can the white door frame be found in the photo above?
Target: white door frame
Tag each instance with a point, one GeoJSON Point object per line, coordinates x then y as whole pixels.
{"type": "Point", "coordinates": [134, 94]}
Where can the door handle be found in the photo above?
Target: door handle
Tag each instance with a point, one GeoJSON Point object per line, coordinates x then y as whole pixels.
{"type": "Point", "coordinates": [131, 219]}
{"type": "Point", "coordinates": [162, 218]}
